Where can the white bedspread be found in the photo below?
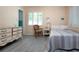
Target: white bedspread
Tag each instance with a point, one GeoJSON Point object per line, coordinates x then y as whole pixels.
{"type": "Point", "coordinates": [63, 39]}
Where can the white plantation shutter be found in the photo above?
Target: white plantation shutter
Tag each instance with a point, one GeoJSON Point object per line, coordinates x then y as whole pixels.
{"type": "Point", "coordinates": [35, 18]}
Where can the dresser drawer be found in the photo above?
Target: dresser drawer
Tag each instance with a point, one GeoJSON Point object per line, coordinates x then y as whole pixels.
{"type": "Point", "coordinates": [19, 35]}
{"type": "Point", "coordinates": [9, 39]}
{"type": "Point", "coordinates": [5, 35]}
{"type": "Point", "coordinates": [17, 28]}
{"type": "Point", "coordinates": [2, 31]}
{"type": "Point", "coordinates": [2, 36]}
{"type": "Point", "coordinates": [3, 42]}
{"type": "Point", "coordinates": [15, 37]}
{"type": "Point", "coordinates": [14, 33]}
{"type": "Point", "coordinates": [8, 34]}
{"type": "Point", "coordinates": [9, 30]}
{"type": "Point", "coordinates": [19, 31]}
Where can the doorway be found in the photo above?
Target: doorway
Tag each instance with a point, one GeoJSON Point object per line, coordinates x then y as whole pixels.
{"type": "Point", "coordinates": [20, 22]}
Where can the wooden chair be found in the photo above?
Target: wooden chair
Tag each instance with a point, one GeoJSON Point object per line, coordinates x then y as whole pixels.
{"type": "Point", "coordinates": [37, 30]}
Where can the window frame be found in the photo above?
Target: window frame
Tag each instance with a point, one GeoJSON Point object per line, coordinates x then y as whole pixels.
{"type": "Point", "coordinates": [37, 18]}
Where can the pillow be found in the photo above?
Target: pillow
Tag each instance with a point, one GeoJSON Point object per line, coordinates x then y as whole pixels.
{"type": "Point", "coordinates": [61, 27]}
{"type": "Point", "coordinates": [64, 27]}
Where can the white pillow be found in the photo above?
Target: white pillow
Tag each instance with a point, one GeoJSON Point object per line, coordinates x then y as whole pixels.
{"type": "Point", "coordinates": [64, 27]}
{"type": "Point", "coordinates": [61, 27]}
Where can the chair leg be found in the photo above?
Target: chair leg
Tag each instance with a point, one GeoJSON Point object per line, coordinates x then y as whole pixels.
{"type": "Point", "coordinates": [35, 34]}
{"type": "Point", "coordinates": [40, 33]}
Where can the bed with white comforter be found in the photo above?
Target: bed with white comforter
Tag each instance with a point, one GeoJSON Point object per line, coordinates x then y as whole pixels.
{"type": "Point", "coordinates": [63, 39]}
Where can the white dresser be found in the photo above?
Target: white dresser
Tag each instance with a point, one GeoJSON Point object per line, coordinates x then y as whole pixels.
{"type": "Point", "coordinates": [9, 35]}
{"type": "Point", "coordinates": [5, 36]}
{"type": "Point", "coordinates": [17, 33]}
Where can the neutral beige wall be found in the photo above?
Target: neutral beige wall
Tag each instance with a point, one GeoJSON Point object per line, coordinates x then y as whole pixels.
{"type": "Point", "coordinates": [1, 20]}
{"type": "Point", "coordinates": [9, 16]}
{"type": "Point", "coordinates": [55, 13]}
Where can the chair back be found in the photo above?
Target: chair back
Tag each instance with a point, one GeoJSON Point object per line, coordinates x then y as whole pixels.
{"type": "Point", "coordinates": [37, 30]}
{"type": "Point", "coordinates": [36, 27]}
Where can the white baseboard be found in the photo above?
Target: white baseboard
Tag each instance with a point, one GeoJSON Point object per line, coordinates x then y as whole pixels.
{"type": "Point", "coordinates": [27, 34]}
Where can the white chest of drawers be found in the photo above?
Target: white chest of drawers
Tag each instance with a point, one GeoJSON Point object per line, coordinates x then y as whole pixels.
{"type": "Point", "coordinates": [9, 34]}
{"type": "Point", "coordinates": [17, 32]}
{"type": "Point", "coordinates": [5, 36]}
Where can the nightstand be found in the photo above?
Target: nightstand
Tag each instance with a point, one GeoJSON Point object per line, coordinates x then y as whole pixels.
{"type": "Point", "coordinates": [46, 32]}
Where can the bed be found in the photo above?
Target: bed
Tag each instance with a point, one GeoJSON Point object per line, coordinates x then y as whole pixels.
{"type": "Point", "coordinates": [63, 39]}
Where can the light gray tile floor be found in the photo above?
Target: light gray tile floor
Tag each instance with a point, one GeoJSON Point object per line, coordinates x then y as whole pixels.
{"type": "Point", "coordinates": [27, 44]}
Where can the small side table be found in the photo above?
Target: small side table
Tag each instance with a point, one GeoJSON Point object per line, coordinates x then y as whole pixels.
{"type": "Point", "coordinates": [46, 32]}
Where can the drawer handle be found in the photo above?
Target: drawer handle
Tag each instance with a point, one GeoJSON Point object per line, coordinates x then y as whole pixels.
{"type": "Point", "coordinates": [4, 36]}
{"type": "Point", "coordinates": [3, 31]}
{"type": "Point", "coordinates": [3, 40]}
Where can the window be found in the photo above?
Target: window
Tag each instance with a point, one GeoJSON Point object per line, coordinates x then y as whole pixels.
{"type": "Point", "coordinates": [35, 18]}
